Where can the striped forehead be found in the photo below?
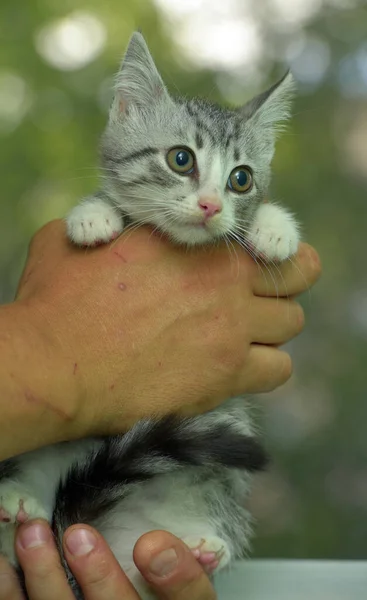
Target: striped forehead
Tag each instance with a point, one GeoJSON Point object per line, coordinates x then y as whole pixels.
{"type": "Point", "coordinates": [215, 128]}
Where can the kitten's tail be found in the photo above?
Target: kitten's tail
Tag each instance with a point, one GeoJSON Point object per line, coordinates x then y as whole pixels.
{"type": "Point", "coordinates": [153, 448]}
{"type": "Point", "coordinates": [157, 447]}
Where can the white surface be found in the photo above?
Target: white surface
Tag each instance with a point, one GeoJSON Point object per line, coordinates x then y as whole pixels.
{"type": "Point", "coordinates": [294, 580]}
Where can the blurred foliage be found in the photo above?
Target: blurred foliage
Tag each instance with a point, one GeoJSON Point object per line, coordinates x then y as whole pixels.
{"type": "Point", "coordinates": [313, 502]}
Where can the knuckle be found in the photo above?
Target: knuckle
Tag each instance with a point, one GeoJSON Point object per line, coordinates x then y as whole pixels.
{"type": "Point", "coordinates": [97, 575]}
{"type": "Point", "coordinates": [276, 372]}
{"type": "Point", "coordinates": [232, 352]}
{"type": "Point", "coordinates": [286, 368]}
{"type": "Point", "coordinates": [299, 317]}
{"type": "Point", "coordinates": [314, 263]}
{"type": "Point", "coordinates": [238, 356]}
{"type": "Point", "coordinates": [46, 569]}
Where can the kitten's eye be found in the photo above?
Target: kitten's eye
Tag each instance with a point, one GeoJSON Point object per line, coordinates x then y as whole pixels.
{"type": "Point", "coordinates": [181, 160]}
{"type": "Point", "coordinates": [240, 180]}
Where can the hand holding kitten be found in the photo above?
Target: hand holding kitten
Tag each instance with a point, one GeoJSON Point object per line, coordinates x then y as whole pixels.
{"type": "Point", "coordinates": [97, 570]}
{"type": "Point", "coordinates": [84, 316]}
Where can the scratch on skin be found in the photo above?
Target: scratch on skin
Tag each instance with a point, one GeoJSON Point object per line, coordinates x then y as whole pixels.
{"type": "Point", "coordinates": [75, 368]}
{"type": "Point", "coordinates": [120, 256]}
{"type": "Point", "coordinates": [27, 276]}
{"type": "Point", "coordinates": [32, 399]}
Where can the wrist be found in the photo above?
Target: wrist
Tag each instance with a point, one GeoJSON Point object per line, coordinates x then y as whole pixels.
{"type": "Point", "coordinates": [37, 380]}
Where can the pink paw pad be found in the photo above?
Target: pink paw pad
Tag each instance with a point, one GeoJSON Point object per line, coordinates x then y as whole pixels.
{"type": "Point", "coordinates": [22, 515]}
{"type": "Point", "coordinates": [4, 516]}
{"type": "Point", "coordinates": [208, 560]}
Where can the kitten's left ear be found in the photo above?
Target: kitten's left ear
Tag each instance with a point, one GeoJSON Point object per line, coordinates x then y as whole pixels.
{"type": "Point", "coordinates": [271, 107]}
{"type": "Point", "coordinates": [138, 82]}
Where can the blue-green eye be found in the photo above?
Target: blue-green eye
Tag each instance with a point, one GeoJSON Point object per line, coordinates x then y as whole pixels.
{"type": "Point", "coordinates": [181, 160]}
{"type": "Point", "coordinates": [240, 180]}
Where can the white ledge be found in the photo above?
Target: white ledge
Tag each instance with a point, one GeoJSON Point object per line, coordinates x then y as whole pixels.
{"type": "Point", "coordinates": [294, 580]}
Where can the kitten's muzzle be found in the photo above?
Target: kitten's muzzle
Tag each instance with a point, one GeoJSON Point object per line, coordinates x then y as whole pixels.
{"type": "Point", "coordinates": [209, 207]}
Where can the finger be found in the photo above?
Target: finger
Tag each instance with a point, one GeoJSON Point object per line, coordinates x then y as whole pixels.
{"type": "Point", "coordinates": [95, 567]}
{"type": "Point", "coordinates": [290, 278]}
{"type": "Point", "coordinates": [9, 586]}
{"type": "Point", "coordinates": [38, 556]}
{"type": "Point", "coordinates": [170, 568]}
{"type": "Point", "coordinates": [266, 369]}
{"type": "Point", "coordinates": [275, 320]}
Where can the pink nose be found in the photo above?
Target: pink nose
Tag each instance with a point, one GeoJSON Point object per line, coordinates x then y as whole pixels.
{"type": "Point", "coordinates": [209, 207]}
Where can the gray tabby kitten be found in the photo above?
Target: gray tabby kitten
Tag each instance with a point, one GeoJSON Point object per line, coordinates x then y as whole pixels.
{"type": "Point", "coordinates": [199, 173]}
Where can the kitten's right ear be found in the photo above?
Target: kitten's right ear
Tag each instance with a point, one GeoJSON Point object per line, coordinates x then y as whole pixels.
{"type": "Point", "coordinates": [138, 82]}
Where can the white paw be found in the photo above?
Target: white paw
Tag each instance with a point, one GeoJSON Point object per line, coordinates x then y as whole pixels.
{"type": "Point", "coordinates": [93, 222]}
{"type": "Point", "coordinates": [18, 506]}
{"type": "Point", "coordinates": [211, 552]}
{"type": "Point", "coordinates": [274, 233]}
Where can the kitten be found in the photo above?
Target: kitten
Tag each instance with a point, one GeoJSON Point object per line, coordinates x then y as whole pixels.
{"type": "Point", "coordinates": [198, 173]}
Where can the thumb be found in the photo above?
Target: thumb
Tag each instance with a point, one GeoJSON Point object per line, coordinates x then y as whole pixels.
{"type": "Point", "coordinates": [168, 566]}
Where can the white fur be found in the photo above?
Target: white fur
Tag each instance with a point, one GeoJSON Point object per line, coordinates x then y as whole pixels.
{"type": "Point", "coordinates": [172, 503]}
{"type": "Point", "coordinates": [93, 221]}
{"type": "Point", "coordinates": [40, 473]}
{"type": "Point", "coordinates": [274, 233]}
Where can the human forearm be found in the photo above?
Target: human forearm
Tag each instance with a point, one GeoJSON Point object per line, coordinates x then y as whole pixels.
{"type": "Point", "coordinates": [35, 409]}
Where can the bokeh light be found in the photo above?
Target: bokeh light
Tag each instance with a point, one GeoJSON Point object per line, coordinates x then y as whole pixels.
{"type": "Point", "coordinates": [58, 65]}
{"type": "Point", "coordinates": [72, 42]}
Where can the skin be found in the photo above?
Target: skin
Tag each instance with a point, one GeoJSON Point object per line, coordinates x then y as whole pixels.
{"type": "Point", "coordinates": [97, 339]}
{"type": "Point", "coordinates": [97, 571]}
{"type": "Point", "coordinates": [205, 327]}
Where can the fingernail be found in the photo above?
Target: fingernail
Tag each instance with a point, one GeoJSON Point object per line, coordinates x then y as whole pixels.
{"type": "Point", "coordinates": [34, 536]}
{"type": "Point", "coordinates": [80, 542]}
{"type": "Point", "coordinates": [164, 563]}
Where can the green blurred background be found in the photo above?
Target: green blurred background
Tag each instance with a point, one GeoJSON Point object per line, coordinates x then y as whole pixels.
{"type": "Point", "coordinates": [57, 61]}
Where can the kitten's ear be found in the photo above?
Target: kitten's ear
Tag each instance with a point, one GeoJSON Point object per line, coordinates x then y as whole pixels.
{"type": "Point", "coordinates": [272, 107]}
{"type": "Point", "coordinates": [138, 82]}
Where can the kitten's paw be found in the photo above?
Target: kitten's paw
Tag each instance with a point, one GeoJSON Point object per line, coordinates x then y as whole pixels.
{"type": "Point", "coordinates": [93, 222]}
{"type": "Point", "coordinates": [18, 506]}
{"type": "Point", "coordinates": [274, 233]}
{"type": "Point", "coordinates": [211, 552]}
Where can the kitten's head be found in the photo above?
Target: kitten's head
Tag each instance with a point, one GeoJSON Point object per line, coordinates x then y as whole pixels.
{"type": "Point", "coordinates": [192, 169]}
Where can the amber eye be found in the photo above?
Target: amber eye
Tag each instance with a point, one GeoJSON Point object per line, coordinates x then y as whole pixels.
{"type": "Point", "coordinates": [240, 180]}
{"type": "Point", "coordinates": [181, 160]}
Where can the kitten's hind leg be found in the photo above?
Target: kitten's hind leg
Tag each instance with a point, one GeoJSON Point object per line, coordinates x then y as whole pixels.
{"type": "Point", "coordinates": [210, 551]}
{"type": "Point", "coordinates": [17, 505]}
{"type": "Point", "coordinates": [95, 221]}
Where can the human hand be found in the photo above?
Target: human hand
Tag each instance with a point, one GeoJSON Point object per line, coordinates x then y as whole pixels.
{"type": "Point", "coordinates": [96, 569]}
{"type": "Point", "coordinates": [141, 327]}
